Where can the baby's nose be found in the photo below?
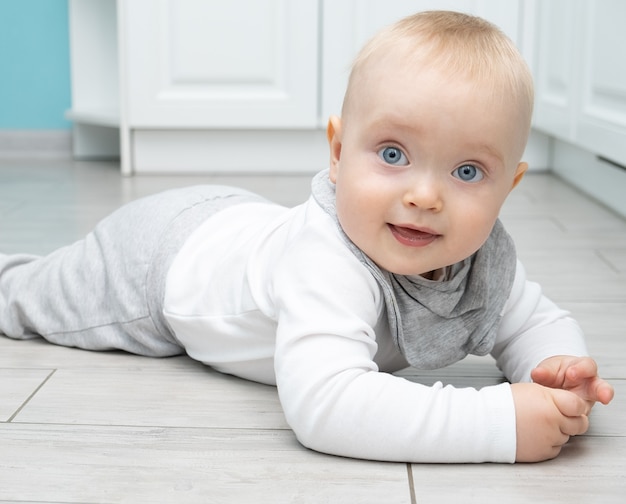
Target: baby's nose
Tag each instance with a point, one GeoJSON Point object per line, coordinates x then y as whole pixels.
{"type": "Point", "coordinates": [424, 193]}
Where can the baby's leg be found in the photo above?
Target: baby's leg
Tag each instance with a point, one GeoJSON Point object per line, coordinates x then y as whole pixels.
{"type": "Point", "coordinates": [106, 291]}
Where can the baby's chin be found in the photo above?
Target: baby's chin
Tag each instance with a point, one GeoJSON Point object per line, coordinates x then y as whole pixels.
{"type": "Point", "coordinates": [429, 274]}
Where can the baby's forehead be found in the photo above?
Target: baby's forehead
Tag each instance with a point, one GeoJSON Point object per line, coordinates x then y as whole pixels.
{"type": "Point", "coordinates": [497, 79]}
{"type": "Point", "coordinates": [411, 56]}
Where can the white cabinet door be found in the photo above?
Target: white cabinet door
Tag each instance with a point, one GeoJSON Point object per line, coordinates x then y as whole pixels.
{"type": "Point", "coordinates": [220, 64]}
{"type": "Point", "coordinates": [602, 103]}
{"type": "Point", "coordinates": [557, 48]}
{"type": "Point", "coordinates": [580, 73]}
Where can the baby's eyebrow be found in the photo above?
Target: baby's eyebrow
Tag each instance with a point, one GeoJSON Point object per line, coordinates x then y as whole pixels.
{"type": "Point", "coordinates": [394, 120]}
{"type": "Point", "coordinates": [490, 150]}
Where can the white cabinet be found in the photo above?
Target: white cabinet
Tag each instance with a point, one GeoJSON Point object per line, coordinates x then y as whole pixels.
{"type": "Point", "coordinates": [95, 77]}
{"type": "Point", "coordinates": [557, 45]}
{"type": "Point", "coordinates": [217, 64]}
{"type": "Point", "coordinates": [602, 110]}
{"type": "Point", "coordinates": [580, 73]}
{"type": "Point", "coordinates": [580, 77]}
{"type": "Point", "coordinates": [214, 85]}
{"type": "Point", "coordinates": [189, 83]}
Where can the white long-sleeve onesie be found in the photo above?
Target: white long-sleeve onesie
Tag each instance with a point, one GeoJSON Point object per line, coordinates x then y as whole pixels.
{"type": "Point", "coordinates": [274, 295]}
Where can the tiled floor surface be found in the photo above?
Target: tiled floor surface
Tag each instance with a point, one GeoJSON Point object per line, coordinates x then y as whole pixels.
{"type": "Point", "coordinates": [83, 427]}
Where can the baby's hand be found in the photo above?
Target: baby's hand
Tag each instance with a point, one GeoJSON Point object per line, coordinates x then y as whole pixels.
{"type": "Point", "coordinates": [545, 420]}
{"type": "Point", "coordinates": [576, 374]}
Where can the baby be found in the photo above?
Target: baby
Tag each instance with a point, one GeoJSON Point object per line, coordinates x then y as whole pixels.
{"type": "Point", "coordinates": [398, 258]}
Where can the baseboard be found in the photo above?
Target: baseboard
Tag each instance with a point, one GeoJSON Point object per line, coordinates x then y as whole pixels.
{"type": "Point", "coordinates": [229, 151]}
{"type": "Point", "coordinates": [598, 177]}
{"type": "Point", "coordinates": [37, 144]}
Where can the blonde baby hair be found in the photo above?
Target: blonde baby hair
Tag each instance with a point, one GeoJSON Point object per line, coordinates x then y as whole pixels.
{"type": "Point", "coordinates": [462, 45]}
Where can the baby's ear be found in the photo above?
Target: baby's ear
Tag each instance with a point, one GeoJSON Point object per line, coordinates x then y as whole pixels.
{"type": "Point", "coordinates": [520, 171]}
{"type": "Point", "coordinates": [333, 133]}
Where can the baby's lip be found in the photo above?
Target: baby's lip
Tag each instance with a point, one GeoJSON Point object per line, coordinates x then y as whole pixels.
{"type": "Point", "coordinates": [417, 230]}
{"type": "Point", "coordinates": [414, 236]}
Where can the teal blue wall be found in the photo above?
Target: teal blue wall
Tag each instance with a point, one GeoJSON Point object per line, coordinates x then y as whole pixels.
{"type": "Point", "coordinates": [34, 64]}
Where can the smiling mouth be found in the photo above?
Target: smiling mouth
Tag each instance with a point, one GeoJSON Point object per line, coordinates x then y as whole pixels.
{"type": "Point", "coordinates": [413, 237]}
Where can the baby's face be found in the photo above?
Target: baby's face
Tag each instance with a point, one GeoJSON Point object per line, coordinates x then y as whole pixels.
{"type": "Point", "coordinates": [422, 163]}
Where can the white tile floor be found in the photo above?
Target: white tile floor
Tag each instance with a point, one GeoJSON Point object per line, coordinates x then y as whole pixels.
{"type": "Point", "coordinates": [86, 427]}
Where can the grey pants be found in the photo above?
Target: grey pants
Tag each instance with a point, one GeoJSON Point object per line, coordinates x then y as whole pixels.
{"type": "Point", "coordinates": [106, 291]}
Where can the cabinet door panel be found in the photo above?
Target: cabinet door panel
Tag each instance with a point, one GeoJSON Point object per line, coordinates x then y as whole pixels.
{"type": "Point", "coordinates": [245, 43]}
{"type": "Point", "coordinates": [210, 63]}
{"type": "Point", "coordinates": [557, 46]}
{"type": "Point", "coordinates": [602, 112]}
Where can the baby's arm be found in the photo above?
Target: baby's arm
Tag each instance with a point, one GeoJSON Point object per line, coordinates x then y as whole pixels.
{"type": "Point", "coordinates": [534, 334]}
{"type": "Point", "coordinates": [336, 400]}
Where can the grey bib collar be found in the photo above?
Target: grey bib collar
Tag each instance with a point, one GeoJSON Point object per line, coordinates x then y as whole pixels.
{"type": "Point", "coordinates": [436, 323]}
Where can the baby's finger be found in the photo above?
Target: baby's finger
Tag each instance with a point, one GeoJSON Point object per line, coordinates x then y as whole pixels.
{"type": "Point", "coordinates": [582, 369]}
{"type": "Point", "coordinates": [574, 426]}
{"type": "Point", "coordinates": [594, 390]}
{"type": "Point", "coordinates": [544, 376]}
{"type": "Point", "coordinates": [602, 391]}
{"type": "Point", "coordinates": [569, 404]}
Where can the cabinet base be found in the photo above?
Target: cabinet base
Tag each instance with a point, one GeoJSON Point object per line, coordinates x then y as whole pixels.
{"type": "Point", "coordinates": [590, 173]}
{"type": "Point", "coordinates": [231, 151]}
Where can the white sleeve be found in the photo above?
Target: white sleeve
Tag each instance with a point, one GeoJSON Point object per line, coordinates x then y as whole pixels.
{"type": "Point", "coordinates": [336, 400]}
{"type": "Point", "coordinates": [532, 329]}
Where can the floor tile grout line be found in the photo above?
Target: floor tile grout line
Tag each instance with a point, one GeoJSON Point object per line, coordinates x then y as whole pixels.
{"type": "Point", "coordinates": [562, 227]}
{"type": "Point", "coordinates": [210, 428]}
{"type": "Point", "coordinates": [606, 261]}
{"type": "Point", "coordinates": [409, 473]}
{"type": "Point", "coordinates": [47, 502]}
{"type": "Point", "coordinates": [141, 426]}
{"type": "Point", "coordinates": [28, 399]}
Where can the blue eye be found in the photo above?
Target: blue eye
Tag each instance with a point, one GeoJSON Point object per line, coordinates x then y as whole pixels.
{"type": "Point", "coordinates": [468, 173]}
{"type": "Point", "coordinates": [393, 156]}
